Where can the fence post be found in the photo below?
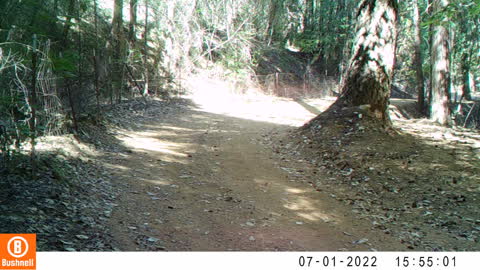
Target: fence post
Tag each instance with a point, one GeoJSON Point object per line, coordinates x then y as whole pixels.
{"type": "Point", "coordinates": [33, 105]}
{"type": "Point", "coordinates": [276, 84]}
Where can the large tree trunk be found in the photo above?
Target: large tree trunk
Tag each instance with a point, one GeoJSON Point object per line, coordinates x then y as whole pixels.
{"type": "Point", "coordinates": [418, 58]}
{"type": "Point", "coordinates": [440, 96]}
{"type": "Point", "coordinates": [369, 75]}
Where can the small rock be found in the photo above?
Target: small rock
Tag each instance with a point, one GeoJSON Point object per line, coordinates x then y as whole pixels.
{"type": "Point", "coordinates": [153, 239]}
{"type": "Point", "coordinates": [361, 241]}
{"type": "Point", "coordinates": [82, 237]}
{"type": "Point", "coordinates": [67, 243]}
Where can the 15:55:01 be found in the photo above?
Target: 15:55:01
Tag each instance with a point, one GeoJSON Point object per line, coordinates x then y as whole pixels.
{"type": "Point", "coordinates": [426, 261]}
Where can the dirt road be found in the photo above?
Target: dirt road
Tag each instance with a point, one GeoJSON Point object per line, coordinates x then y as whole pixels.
{"type": "Point", "coordinates": [203, 180]}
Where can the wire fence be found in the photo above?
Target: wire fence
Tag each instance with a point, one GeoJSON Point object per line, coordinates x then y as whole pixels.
{"type": "Point", "coordinates": [292, 86]}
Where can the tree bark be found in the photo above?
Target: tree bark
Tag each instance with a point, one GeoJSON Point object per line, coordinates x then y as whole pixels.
{"type": "Point", "coordinates": [467, 78]}
{"type": "Point", "coordinates": [308, 17]}
{"type": "Point", "coordinates": [418, 58]}
{"type": "Point", "coordinates": [369, 75]}
{"type": "Point", "coordinates": [68, 23]}
{"type": "Point", "coordinates": [117, 33]}
{"type": "Point", "coordinates": [272, 20]}
{"type": "Point", "coordinates": [440, 95]}
{"type": "Point", "coordinates": [145, 52]}
{"type": "Point", "coordinates": [33, 106]}
{"type": "Point", "coordinates": [133, 20]}
{"type": "Point", "coordinates": [95, 58]}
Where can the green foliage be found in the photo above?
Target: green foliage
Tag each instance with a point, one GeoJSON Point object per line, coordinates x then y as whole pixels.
{"type": "Point", "coordinates": [66, 64]}
{"type": "Point", "coordinates": [308, 42]}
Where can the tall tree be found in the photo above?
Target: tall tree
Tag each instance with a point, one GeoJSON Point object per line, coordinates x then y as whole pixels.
{"type": "Point", "coordinates": [96, 57]}
{"type": "Point", "coordinates": [145, 51]}
{"type": "Point", "coordinates": [273, 13]}
{"type": "Point", "coordinates": [68, 22]}
{"type": "Point", "coordinates": [369, 75]}
{"type": "Point", "coordinates": [440, 58]}
{"type": "Point", "coordinates": [467, 47]}
{"type": "Point", "coordinates": [418, 57]}
{"type": "Point", "coordinates": [133, 20]}
{"type": "Point", "coordinates": [308, 17]}
{"type": "Point", "coordinates": [117, 33]}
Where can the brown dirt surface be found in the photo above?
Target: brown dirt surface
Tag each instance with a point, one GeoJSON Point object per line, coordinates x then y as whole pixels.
{"type": "Point", "coordinates": [236, 173]}
{"type": "Point", "coordinates": [191, 179]}
{"type": "Point", "coordinates": [201, 181]}
{"type": "Point", "coordinates": [418, 182]}
{"type": "Point", "coordinates": [217, 171]}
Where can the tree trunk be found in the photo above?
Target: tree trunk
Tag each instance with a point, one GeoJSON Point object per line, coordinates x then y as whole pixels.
{"type": "Point", "coordinates": [133, 20]}
{"type": "Point", "coordinates": [418, 58]}
{"type": "Point", "coordinates": [309, 13]}
{"type": "Point", "coordinates": [272, 21]}
{"type": "Point", "coordinates": [467, 78]}
{"type": "Point", "coordinates": [440, 96]}
{"type": "Point", "coordinates": [145, 52]}
{"type": "Point", "coordinates": [117, 32]}
{"type": "Point", "coordinates": [469, 48]}
{"type": "Point", "coordinates": [68, 23]}
{"type": "Point", "coordinates": [95, 58]}
{"type": "Point", "coordinates": [369, 75]}
{"type": "Point", "coordinates": [79, 51]}
{"type": "Point", "coordinates": [117, 20]}
{"type": "Point", "coordinates": [33, 106]}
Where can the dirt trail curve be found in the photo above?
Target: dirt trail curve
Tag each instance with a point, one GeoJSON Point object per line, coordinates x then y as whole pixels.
{"type": "Point", "coordinates": [203, 180]}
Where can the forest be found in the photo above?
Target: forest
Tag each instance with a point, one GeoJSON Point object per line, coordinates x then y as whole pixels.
{"type": "Point", "coordinates": [241, 124]}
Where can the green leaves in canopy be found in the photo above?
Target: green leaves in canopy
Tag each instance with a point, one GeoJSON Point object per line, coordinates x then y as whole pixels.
{"type": "Point", "coordinates": [454, 9]}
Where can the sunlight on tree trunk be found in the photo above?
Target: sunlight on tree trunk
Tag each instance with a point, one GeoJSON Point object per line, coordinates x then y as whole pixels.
{"type": "Point", "coordinates": [440, 96]}
{"type": "Point", "coordinates": [369, 76]}
{"type": "Point", "coordinates": [418, 57]}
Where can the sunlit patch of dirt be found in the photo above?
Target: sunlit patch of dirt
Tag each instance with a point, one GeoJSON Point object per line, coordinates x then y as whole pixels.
{"type": "Point", "coordinates": [214, 96]}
